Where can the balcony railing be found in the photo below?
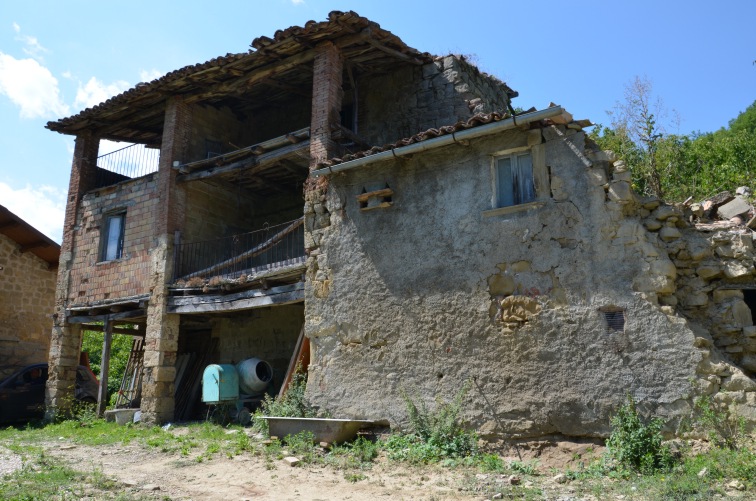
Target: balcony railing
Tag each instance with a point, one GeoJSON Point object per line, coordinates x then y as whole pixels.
{"type": "Point", "coordinates": [253, 253]}
{"type": "Point", "coordinates": [129, 162]}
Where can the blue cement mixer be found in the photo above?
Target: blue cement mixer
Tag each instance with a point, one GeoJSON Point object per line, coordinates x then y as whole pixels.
{"type": "Point", "coordinates": [230, 391]}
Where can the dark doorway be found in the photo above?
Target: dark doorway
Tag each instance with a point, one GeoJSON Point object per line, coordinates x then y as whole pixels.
{"type": "Point", "coordinates": [749, 297]}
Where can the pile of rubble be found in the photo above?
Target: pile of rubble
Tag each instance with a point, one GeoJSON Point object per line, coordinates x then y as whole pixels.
{"type": "Point", "coordinates": [724, 210]}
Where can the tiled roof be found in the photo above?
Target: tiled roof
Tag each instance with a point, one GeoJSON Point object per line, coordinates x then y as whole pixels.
{"type": "Point", "coordinates": [357, 35]}
{"type": "Point", "coordinates": [474, 121]}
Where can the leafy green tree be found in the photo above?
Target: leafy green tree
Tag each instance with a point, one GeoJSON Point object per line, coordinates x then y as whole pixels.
{"type": "Point", "coordinates": [120, 349]}
{"type": "Point", "coordinates": [678, 166]}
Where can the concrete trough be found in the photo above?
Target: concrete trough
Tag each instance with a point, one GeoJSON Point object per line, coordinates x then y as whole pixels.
{"type": "Point", "coordinates": [121, 416]}
{"type": "Point", "coordinates": [333, 431]}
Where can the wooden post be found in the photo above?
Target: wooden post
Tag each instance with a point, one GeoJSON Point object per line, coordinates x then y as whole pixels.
{"type": "Point", "coordinates": [102, 393]}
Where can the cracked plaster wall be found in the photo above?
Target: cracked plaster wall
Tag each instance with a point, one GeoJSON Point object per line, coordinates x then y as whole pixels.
{"type": "Point", "coordinates": [428, 294]}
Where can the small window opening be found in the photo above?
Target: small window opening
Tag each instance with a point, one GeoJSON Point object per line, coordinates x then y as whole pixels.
{"type": "Point", "coordinates": [112, 237]}
{"type": "Point", "coordinates": [347, 116]}
{"type": "Point", "coordinates": [377, 199]}
{"type": "Point", "coordinates": [615, 319]}
{"type": "Point", "coordinates": [213, 148]}
{"type": "Point", "coordinates": [514, 180]}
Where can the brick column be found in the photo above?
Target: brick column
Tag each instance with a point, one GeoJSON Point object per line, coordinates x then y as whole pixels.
{"type": "Point", "coordinates": [326, 102]}
{"type": "Point", "coordinates": [161, 340]}
{"type": "Point", "coordinates": [65, 341]}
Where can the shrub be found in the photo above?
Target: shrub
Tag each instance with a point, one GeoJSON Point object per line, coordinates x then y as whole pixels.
{"type": "Point", "coordinates": [292, 404]}
{"type": "Point", "coordinates": [436, 434]}
{"type": "Point", "coordinates": [722, 427]}
{"type": "Point", "coordinates": [635, 445]}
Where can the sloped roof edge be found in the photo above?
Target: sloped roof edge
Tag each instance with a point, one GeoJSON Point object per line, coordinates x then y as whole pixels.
{"type": "Point", "coordinates": [28, 237]}
{"type": "Point", "coordinates": [263, 50]}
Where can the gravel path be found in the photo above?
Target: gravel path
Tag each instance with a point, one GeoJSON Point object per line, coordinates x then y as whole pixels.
{"type": "Point", "coordinates": [9, 462]}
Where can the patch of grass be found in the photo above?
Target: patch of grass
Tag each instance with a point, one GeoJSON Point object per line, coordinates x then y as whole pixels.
{"type": "Point", "coordinates": [524, 467]}
{"type": "Point", "coordinates": [354, 477]}
{"type": "Point", "coordinates": [359, 454]}
{"type": "Point", "coordinates": [43, 477]}
{"type": "Point", "coordinates": [491, 463]}
{"type": "Point", "coordinates": [302, 446]}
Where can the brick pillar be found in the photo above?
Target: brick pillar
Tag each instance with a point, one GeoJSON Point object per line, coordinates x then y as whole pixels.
{"type": "Point", "coordinates": [65, 341]}
{"type": "Point", "coordinates": [161, 340]}
{"type": "Point", "coordinates": [326, 102]}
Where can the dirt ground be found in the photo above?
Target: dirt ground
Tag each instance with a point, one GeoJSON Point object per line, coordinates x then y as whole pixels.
{"type": "Point", "coordinates": [150, 474]}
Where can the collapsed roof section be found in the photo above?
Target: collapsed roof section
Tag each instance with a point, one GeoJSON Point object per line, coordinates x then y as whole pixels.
{"type": "Point", "coordinates": [267, 75]}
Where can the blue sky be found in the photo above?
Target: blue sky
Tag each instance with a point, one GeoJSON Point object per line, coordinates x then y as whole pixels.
{"type": "Point", "coordinates": [57, 58]}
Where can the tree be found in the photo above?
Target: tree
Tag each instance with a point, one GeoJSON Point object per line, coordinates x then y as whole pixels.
{"type": "Point", "coordinates": [643, 120]}
{"type": "Point", "coordinates": [120, 349]}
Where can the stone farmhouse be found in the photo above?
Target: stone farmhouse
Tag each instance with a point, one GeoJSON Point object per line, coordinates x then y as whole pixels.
{"type": "Point", "coordinates": [28, 269]}
{"type": "Point", "coordinates": [445, 242]}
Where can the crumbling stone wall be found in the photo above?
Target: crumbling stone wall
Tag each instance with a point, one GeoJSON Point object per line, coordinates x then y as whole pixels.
{"type": "Point", "coordinates": [415, 99]}
{"type": "Point", "coordinates": [27, 300]}
{"type": "Point", "coordinates": [553, 314]}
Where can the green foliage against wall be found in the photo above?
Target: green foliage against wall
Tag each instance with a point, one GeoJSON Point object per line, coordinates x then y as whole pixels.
{"type": "Point", "coordinates": [120, 349]}
{"type": "Point", "coordinates": [676, 167]}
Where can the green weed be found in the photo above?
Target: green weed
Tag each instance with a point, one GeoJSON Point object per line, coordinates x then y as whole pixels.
{"type": "Point", "coordinates": [292, 404]}
{"type": "Point", "coordinates": [636, 445]}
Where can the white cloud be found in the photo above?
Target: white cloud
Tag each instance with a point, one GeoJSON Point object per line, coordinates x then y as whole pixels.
{"type": "Point", "coordinates": [298, 2]}
{"type": "Point", "coordinates": [31, 87]}
{"type": "Point", "coordinates": [33, 48]}
{"type": "Point", "coordinates": [43, 207]}
{"type": "Point", "coordinates": [94, 92]}
{"type": "Point", "coordinates": [150, 75]}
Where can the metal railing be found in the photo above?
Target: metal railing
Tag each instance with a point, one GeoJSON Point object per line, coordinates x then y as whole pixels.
{"type": "Point", "coordinates": [130, 162]}
{"type": "Point", "coordinates": [250, 253]}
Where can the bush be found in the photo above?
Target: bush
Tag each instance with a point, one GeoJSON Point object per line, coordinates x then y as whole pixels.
{"type": "Point", "coordinates": [435, 435]}
{"type": "Point", "coordinates": [722, 427]}
{"type": "Point", "coordinates": [635, 445]}
{"type": "Point", "coordinates": [292, 404]}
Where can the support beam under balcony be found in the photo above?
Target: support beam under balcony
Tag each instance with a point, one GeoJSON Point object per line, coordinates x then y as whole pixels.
{"type": "Point", "coordinates": [247, 300]}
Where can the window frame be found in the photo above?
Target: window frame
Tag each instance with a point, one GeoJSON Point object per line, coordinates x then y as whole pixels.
{"type": "Point", "coordinates": [105, 236]}
{"type": "Point", "coordinates": [540, 176]}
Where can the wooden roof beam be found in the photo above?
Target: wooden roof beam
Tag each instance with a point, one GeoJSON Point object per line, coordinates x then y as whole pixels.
{"type": "Point", "coordinates": [255, 164]}
{"type": "Point", "coordinates": [256, 77]}
{"type": "Point", "coordinates": [33, 245]}
{"type": "Point", "coordinates": [289, 88]}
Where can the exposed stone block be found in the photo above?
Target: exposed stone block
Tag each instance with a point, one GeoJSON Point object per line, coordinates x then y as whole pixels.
{"type": "Point", "coordinates": [738, 382]}
{"type": "Point", "coordinates": [720, 295]}
{"type": "Point", "coordinates": [668, 234]}
{"type": "Point", "coordinates": [620, 192]}
{"type": "Point", "coordinates": [734, 269]}
{"type": "Point", "coordinates": [709, 271]}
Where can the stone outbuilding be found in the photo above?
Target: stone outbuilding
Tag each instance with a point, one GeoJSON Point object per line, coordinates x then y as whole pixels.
{"type": "Point", "coordinates": [28, 267]}
{"type": "Point", "coordinates": [445, 242]}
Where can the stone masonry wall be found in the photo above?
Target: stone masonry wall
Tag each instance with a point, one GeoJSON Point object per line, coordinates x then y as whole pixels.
{"type": "Point", "coordinates": [416, 99]}
{"type": "Point", "coordinates": [551, 315]}
{"type": "Point", "coordinates": [27, 300]}
{"type": "Point", "coordinates": [92, 280]}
